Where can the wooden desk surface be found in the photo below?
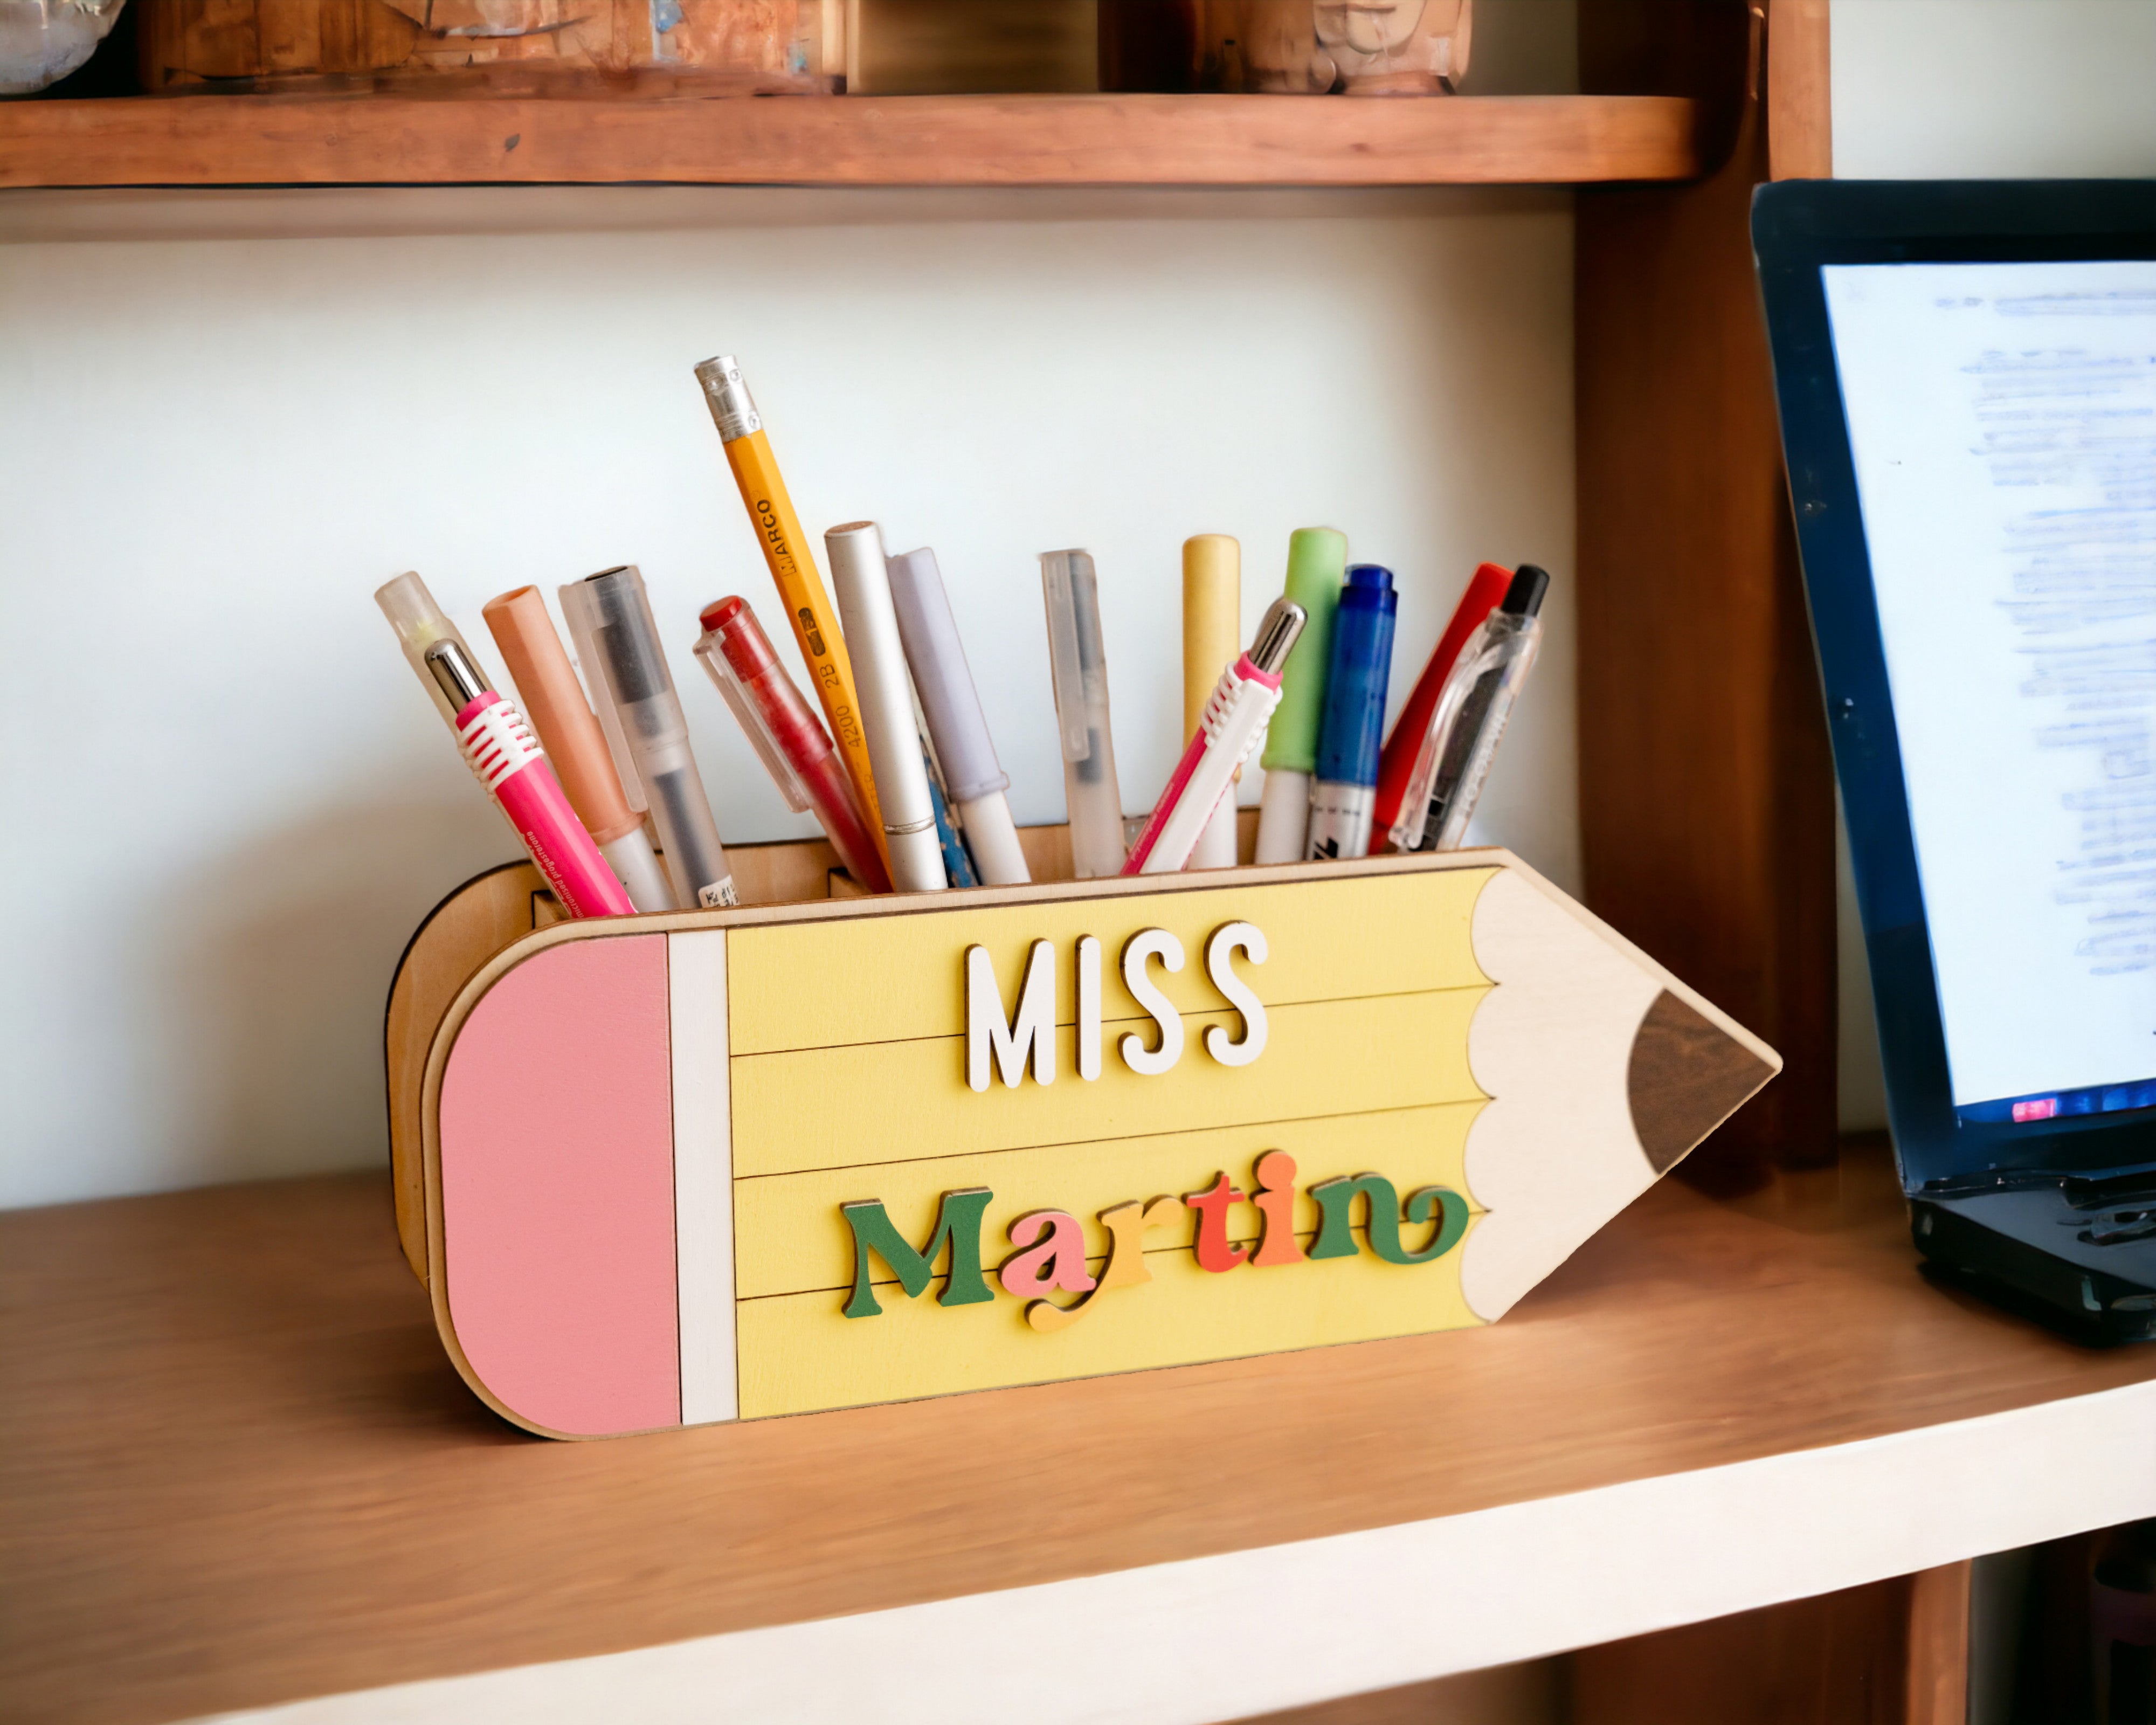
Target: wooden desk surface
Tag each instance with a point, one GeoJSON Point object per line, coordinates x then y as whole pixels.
{"type": "Point", "coordinates": [235, 1468]}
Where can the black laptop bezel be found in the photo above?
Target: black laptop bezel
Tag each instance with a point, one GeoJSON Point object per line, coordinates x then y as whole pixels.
{"type": "Point", "coordinates": [1799, 227]}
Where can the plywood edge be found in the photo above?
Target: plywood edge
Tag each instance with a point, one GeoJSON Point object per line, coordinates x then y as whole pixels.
{"type": "Point", "coordinates": [454, 940]}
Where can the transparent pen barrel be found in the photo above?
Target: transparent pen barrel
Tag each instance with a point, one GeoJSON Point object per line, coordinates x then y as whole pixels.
{"type": "Point", "coordinates": [1095, 809]}
{"type": "Point", "coordinates": [695, 860]}
{"type": "Point", "coordinates": [1078, 667]}
{"type": "Point", "coordinates": [1467, 789]}
{"type": "Point", "coordinates": [1464, 733]}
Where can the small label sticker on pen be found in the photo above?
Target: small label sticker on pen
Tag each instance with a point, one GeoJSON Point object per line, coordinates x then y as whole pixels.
{"type": "Point", "coordinates": [719, 895]}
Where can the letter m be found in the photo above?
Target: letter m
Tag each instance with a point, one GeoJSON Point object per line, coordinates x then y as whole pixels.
{"type": "Point", "coordinates": [1031, 1029]}
{"type": "Point", "coordinates": [958, 1226]}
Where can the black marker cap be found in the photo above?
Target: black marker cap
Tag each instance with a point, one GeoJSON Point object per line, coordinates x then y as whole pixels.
{"type": "Point", "coordinates": [1524, 597]}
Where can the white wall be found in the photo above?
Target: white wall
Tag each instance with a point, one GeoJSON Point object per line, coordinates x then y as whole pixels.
{"type": "Point", "coordinates": [1977, 89]}
{"type": "Point", "coordinates": [224, 420]}
{"type": "Point", "coordinates": [1963, 90]}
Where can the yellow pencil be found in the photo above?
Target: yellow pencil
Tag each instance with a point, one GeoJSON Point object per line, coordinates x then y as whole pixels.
{"type": "Point", "coordinates": [793, 567]}
{"type": "Point", "coordinates": [1212, 637]}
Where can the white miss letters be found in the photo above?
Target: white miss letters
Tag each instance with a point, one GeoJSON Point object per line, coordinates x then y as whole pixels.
{"type": "Point", "coordinates": [1010, 1040]}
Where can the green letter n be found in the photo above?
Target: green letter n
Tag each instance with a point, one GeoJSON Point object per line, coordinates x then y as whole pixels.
{"type": "Point", "coordinates": [958, 1225]}
{"type": "Point", "coordinates": [1336, 1230]}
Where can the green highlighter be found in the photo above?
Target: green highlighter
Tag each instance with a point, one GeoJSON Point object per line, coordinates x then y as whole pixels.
{"type": "Point", "coordinates": [1317, 566]}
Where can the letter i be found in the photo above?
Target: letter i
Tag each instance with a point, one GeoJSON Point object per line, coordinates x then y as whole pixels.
{"type": "Point", "coordinates": [1275, 1197]}
{"type": "Point", "coordinates": [1089, 1008]}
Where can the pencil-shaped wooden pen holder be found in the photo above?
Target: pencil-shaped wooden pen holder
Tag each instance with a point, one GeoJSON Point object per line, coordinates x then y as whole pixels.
{"type": "Point", "coordinates": [670, 1170]}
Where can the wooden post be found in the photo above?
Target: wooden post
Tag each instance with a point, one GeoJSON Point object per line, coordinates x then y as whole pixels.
{"type": "Point", "coordinates": [1935, 1679]}
{"type": "Point", "coordinates": [1893, 1653]}
{"type": "Point", "coordinates": [1707, 799]}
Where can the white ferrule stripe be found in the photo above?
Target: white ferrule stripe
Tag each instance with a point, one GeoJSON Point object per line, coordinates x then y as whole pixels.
{"type": "Point", "coordinates": [1220, 703]}
{"type": "Point", "coordinates": [1254, 715]}
{"type": "Point", "coordinates": [496, 743]}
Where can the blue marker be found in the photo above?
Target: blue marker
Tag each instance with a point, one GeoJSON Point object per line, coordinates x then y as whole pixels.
{"type": "Point", "coordinates": [958, 860]}
{"type": "Point", "coordinates": [1343, 797]}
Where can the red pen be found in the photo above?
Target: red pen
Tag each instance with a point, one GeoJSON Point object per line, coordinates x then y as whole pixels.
{"type": "Point", "coordinates": [796, 749]}
{"type": "Point", "coordinates": [1396, 765]}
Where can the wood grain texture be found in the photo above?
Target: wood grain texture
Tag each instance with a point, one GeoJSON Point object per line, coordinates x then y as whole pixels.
{"type": "Point", "coordinates": [1685, 1078]}
{"type": "Point", "coordinates": [1836, 1658]}
{"type": "Point", "coordinates": [235, 1467]}
{"type": "Point", "coordinates": [1499, 1694]}
{"type": "Point", "coordinates": [889, 140]}
{"type": "Point", "coordinates": [1893, 1653]}
{"type": "Point", "coordinates": [1706, 798]}
{"type": "Point", "coordinates": [1800, 113]}
{"type": "Point", "coordinates": [724, 47]}
{"type": "Point", "coordinates": [1935, 1677]}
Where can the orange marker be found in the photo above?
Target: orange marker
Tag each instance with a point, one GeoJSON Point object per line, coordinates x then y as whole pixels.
{"type": "Point", "coordinates": [554, 702]}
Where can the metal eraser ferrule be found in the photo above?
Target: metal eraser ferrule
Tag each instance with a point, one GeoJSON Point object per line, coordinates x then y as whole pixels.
{"type": "Point", "coordinates": [733, 409]}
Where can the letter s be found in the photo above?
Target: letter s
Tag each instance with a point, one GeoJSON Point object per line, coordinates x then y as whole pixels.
{"type": "Point", "coordinates": [1152, 943]}
{"type": "Point", "coordinates": [1219, 965]}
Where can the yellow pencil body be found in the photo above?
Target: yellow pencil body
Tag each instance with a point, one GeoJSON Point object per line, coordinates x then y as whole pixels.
{"type": "Point", "coordinates": [1212, 637]}
{"type": "Point", "coordinates": [1212, 618]}
{"type": "Point", "coordinates": [808, 608]}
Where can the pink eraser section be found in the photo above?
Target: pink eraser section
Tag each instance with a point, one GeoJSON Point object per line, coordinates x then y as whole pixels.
{"type": "Point", "coordinates": [557, 1189]}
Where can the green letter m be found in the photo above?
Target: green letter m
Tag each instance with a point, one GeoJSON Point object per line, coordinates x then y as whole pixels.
{"type": "Point", "coordinates": [957, 1225]}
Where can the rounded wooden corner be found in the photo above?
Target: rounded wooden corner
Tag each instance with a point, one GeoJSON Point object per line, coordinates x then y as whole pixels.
{"type": "Point", "coordinates": [449, 944]}
{"type": "Point", "coordinates": [520, 951]}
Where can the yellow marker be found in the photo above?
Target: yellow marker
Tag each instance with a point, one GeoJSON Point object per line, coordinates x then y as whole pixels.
{"type": "Point", "coordinates": [1212, 637]}
{"type": "Point", "coordinates": [793, 567]}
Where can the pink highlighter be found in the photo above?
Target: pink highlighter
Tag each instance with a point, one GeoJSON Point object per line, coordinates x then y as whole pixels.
{"type": "Point", "coordinates": [502, 753]}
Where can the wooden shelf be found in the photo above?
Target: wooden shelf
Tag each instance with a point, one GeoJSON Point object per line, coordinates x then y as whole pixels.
{"type": "Point", "coordinates": [912, 140]}
{"type": "Point", "coordinates": [235, 1468]}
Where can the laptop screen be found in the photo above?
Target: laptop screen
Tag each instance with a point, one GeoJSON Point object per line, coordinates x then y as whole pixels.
{"type": "Point", "coordinates": [2002, 423]}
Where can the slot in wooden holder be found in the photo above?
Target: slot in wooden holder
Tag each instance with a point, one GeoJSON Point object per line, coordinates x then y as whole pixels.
{"type": "Point", "coordinates": [819, 1152]}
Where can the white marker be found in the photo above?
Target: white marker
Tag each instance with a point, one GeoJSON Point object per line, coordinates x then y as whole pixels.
{"type": "Point", "coordinates": [861, 581]}
{"type": "Point", "coordinates": [973, 776]}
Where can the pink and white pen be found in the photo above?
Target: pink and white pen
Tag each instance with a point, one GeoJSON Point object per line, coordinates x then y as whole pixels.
{"type": "Point", "coordinates": [502, 753]}
{"type": "Point", "coordinates": [1234, 723]}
